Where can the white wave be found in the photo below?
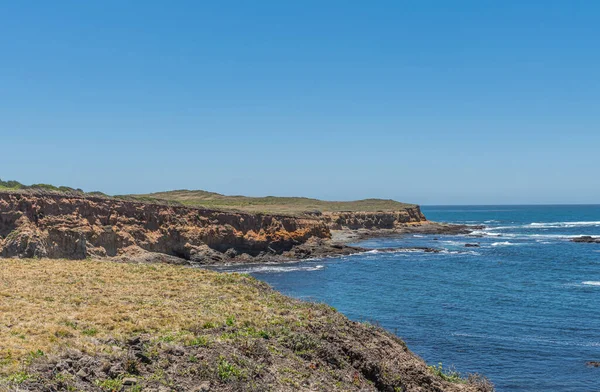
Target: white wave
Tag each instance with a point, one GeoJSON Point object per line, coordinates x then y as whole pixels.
{"type": "Point", "coordinates": [453, 243]}
{"type": "Point", "coordinates": [505, 243]}
{"type": "Point", "coordinates": [591, 283]}
{"type": "Point", "coordinates": [485, 233]}
{"type": "Point", "coordinates": [552, 236]}
{"type": "Point", "coordinates": [490, 221]}
{"type": "Point", "coordinates": [458, 252]}
{"type": "Point", "coordinates": [556, 225]}
{"type": "Point", "coordinates": [382, 251]}
{"type": "Point", "coordinates": [506, 227]}
{"type": "Point", "coordinates": [418, 236]}
{"type": "Point", "coordinates": [277, 268]}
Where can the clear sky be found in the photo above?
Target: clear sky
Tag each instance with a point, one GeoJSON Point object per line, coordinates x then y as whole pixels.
{"type": "Point", "coordinates": [432, 102]}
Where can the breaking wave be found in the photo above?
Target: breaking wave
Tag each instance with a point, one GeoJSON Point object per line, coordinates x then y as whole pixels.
{"type": "Point", "coordinates": [277, 268]}
{"type": "Point", "coordinates": [591, 283]}
{"type": "Point", "coordinates": [558, 225]}
{"type": "Point", "coordinates": [504, 243]}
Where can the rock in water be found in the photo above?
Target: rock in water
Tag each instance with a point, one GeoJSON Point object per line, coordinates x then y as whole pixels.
{"type": "Point", "coordinates": [587, 239]}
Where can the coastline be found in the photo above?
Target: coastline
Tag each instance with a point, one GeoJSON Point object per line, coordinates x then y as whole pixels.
{"type": "Point", "coordinates": [136, 251]}
{"type": "Point", "coordinates": [74, 226]}
{"type": "Point", "coordinates": [146, 329]}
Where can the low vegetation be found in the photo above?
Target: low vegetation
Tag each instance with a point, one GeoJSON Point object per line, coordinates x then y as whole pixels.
{"type": "Point", "coordinates": [202, 199]}
{"type": "Point", "coordinates": [17, 186]}
{"type": "Point", "coordinates": [104, 326]}
{"type": "Point", "coordinates": [271, 204]}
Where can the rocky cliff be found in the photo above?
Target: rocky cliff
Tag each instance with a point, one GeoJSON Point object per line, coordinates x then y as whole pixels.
{"type": "Point", "coordinates": [76, 227]}
{"type": "Point", "coordinates": [373, 220]}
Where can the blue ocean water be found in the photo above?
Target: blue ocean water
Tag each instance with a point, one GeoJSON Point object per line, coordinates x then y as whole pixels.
{"type": "Point", "coordinates": [522, 309]}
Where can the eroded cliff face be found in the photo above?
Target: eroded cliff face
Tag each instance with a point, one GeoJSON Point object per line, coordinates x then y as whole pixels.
{"type": "Point", "coordinates": [373, 220]}
{"type": "Point", "coordinates": [59, 226]}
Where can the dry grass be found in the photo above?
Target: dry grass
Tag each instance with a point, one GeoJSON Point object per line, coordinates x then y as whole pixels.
{"type": "Point", "coordinates": [270, 204]}
{"type": "Point", "coordinates": [89, 325]}
{"type": "Point", "coordinates": [48, 305]}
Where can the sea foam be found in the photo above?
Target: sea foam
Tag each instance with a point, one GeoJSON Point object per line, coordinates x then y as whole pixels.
{"type": "Point", "coordinates": [552, 225]}
{"type": "Point", "coordinates": [591, 283]}
{"type": "Point", "coordinates": [505, 243]}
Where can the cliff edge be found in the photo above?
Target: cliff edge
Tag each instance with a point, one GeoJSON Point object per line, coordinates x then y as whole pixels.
{"type": "Point", "coordinates": [76, 227]}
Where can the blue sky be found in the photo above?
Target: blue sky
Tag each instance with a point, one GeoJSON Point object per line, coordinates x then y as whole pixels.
{"type": "Point", "coordinates": [432, 102]}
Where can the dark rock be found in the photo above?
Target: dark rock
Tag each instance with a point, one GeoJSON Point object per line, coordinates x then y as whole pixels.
{"type": "Point", "coordinates": [142, 357]}
{"type": "Point", "coordinates": [587, 239]}
{"type": "Point", "coordinates": [471, 245]}
{"type": "Point", "coordinates": [116, 370]}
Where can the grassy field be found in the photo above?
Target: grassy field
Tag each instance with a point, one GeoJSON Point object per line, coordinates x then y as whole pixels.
{"type": "Point", "coordinates": [203, 199]}
{"type": "Point", "coordinates": [95, 325]}
{"type": "Point", "coordinates": [271, 204]}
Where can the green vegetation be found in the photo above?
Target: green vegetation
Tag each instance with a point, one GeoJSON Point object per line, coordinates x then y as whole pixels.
{"type": "Point", "coordinates": [228, 371]}
{"type": "Point", "coordinates": [202, 199]}
{"type": "Point", "coordinates": [448, 374]}
{"type": "Point", "coordinates": [15, 186]}
{"type": "Point", "coordinates": [269, 204]}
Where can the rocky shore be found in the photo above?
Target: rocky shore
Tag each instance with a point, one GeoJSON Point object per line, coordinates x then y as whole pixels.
{"type": "Point", "coordinates": [67, 226]}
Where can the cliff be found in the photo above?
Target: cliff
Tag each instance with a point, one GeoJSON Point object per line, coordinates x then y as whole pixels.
{"type": "Point", "coordinates": [355, 220]}
{"type": "Point", "coordinates": [76, 227]}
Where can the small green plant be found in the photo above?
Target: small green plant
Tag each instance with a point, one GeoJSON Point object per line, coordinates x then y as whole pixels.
{"type": "Point", "coordinates": [33, 355]}
{"type": "Point", "coordinates": [167, 338]}
{"type": "Point", "coordinates": [228, 371]}
{"type": "Point", "coordinates": [200, 341]}
{"type": "Point", "coordinates": [230, 321]}
{"type": "Point", "coordinates": [448, 374]}
{"type": "Point", "coordinates": [19, 377]}
{"type": "Point", "coordinates": [90, 332]}
{"type": "Point", "coordinates": [209, 325]}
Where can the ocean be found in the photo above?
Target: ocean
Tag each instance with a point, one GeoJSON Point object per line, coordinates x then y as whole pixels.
{"type": "Point", "coordinates": [523, 308]}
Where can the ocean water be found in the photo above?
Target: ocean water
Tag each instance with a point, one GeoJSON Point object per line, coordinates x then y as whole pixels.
{"type": "Point", "coordinates": [523, 308]}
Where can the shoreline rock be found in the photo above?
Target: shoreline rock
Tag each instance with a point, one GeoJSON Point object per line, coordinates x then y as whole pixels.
{"type": "Point", "coordinates": [587, 239]}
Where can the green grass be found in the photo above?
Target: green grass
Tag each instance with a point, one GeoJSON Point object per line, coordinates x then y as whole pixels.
{"type": "Point", "coordinates": [210, 200]}
{"type": "Point", "coordinates": [15, 186]}
{"type": "Point", "coordinates": [269, 204]}
{"type": "Point", "coordinates": [228, 371]}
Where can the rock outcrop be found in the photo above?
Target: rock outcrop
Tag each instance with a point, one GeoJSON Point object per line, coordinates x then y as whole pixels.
{"type": "Point", "coordinates": [587, 239]}
{"type": "Point", "coordinates": [76, 227]}
{"type": "Point", "coordinates": [373, 220]}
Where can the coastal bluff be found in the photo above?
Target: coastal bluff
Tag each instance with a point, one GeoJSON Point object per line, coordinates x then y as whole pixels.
{"type": "Point", "coordinates": [78, 226]}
